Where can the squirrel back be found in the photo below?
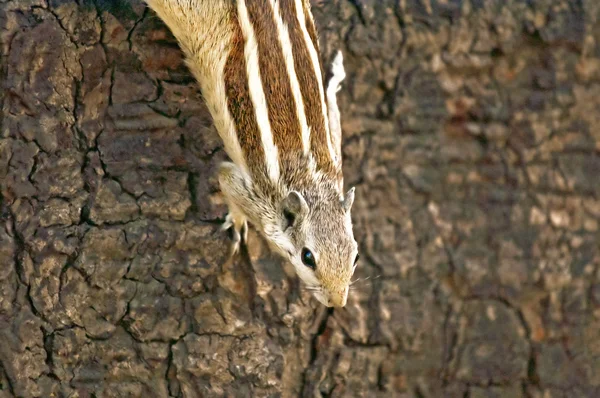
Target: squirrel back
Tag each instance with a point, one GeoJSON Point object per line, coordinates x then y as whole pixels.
{"type": "Point", "coordinates": [257, 63]}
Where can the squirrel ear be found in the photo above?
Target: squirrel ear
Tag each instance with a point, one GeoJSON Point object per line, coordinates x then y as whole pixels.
{"type": "Point", "coordinates": [294, 207]}
{"type": "Point", "coordinates": [348, 200]}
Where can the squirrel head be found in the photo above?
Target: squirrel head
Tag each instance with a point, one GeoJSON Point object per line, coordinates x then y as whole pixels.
{"type": "Point", "coordinates": [312, 229]}
{"type": "Point", "coordinates": [316, 237]}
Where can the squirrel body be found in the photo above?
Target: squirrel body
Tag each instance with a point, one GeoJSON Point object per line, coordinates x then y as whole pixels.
{"type": "Point", "coordinates": [258, 68]}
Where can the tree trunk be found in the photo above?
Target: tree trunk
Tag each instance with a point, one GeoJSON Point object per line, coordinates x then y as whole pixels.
{"type": "Point", "coordinates": [472, 134]}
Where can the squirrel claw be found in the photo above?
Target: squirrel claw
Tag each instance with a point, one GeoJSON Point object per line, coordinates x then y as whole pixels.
{"type": "Point", "coordinates": [238, 230]}
{"type": "Point", "coordinates": [228, 223]}
{"type": "Point", "coordinates": [235, 243]}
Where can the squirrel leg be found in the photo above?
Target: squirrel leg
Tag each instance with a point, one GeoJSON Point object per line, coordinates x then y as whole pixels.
{"type": "Point", "coordinates": [238, 225]}
{"type": "Point", "coordinates": [338, 74]}
{"type": "Point", "coordinates": [234, 189]}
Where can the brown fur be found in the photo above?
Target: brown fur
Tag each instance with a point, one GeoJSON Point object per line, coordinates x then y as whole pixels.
{"type": "Point", "coordinates": [240, 105]}
{"type": "Point", "coordinates": [285, 125]}
{"type": "Point", "coordinates": [310, 27]}
{"type": "Point", "coordinates": [309, 89]}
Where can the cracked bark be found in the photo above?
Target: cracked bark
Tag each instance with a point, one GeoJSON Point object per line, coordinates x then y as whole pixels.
{"type": "Point", "coordinates": [470, 133]}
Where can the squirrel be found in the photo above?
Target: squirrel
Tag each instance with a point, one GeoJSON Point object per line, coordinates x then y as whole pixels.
{"type": "Point", "coordinates": [258, 68]}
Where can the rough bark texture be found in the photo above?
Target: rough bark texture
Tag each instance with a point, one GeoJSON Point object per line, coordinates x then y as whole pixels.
{"type": "Point", "coordinates": [472, 133]}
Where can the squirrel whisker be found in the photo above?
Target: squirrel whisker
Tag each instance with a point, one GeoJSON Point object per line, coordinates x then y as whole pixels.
{"type": "Point", "coordinates": [364, 279]}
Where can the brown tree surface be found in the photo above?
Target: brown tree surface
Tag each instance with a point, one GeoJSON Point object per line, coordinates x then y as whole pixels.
{"type": "Point", "coordinates": [472, 134]}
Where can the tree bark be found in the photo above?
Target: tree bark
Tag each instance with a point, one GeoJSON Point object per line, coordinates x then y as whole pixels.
{"type": "Point", "coordinates": [471, 131]}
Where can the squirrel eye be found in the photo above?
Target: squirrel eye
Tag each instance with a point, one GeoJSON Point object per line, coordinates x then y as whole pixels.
{"type": "Point", "coordinates": [308, 259]}
{"type": "Point", "coordinates": [356, 258]}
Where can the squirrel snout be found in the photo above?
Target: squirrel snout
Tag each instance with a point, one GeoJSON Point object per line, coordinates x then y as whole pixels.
{"type": "Point", "coordinates": [337, 297]}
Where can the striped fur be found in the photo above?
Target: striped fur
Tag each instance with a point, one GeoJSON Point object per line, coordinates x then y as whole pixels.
{"type": "Point", "coordinates": [257, 63]}
{"type": "Point", "coordinates": [286, 47]}
{"type": "Point", "coordinates": [309, 75]}
{"type": "Point", "coordinates": [259, 96]}
{"type": "Point", "coordinates": [274, 92]}
{"type": "Point", "coordinates": [310, 37]}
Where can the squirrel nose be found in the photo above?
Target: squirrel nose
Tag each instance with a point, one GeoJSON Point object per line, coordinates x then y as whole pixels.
{"type": "Point", "coordinates": [337, 298]}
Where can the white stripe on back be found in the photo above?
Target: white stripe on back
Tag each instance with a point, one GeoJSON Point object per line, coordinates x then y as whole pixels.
{"type": "Point", "coordinates": [286, 45]}
{"type": "Point", "coordinates": [257, 94]}
{"type": "Point", "coordinates": [317, 70]}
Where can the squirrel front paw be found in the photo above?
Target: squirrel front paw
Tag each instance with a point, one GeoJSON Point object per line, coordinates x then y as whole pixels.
{"type": "Point", "coordinates": [239, 231]}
